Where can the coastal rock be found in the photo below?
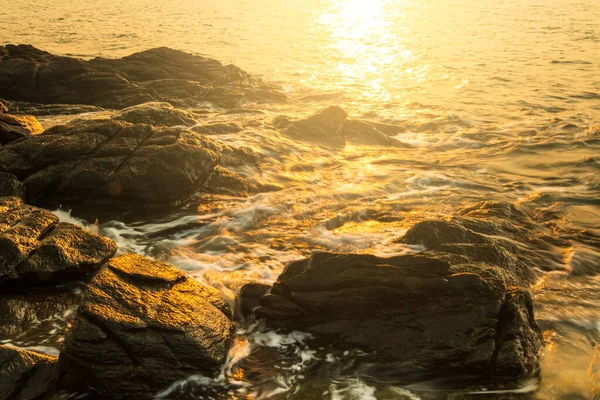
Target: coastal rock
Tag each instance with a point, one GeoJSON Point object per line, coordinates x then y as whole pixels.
{"type": "Point", "coordinates": [362, 132]}
{"type": "Point", "coordinates": [16, 127]}
{"type": "Point", "coordinates": [36, 247]}
{"type": "Point", "coordinates": [248, 297]}
{"type": "Point", "coordinates": [162, 74]}
{"type": "Point", "coordinates": [142, 326]}
{"type": "Point", "coordinates": [323, 127]}
{"type": "Point", "coordinates": [416, 309]}
{"type": "Point", "coordinates": [488, 232]}
{"type": "Point", "coordinates": [220, 128]}
{"type": "Point", "coordinates": [27, 108]}
{"type": "Point", "coordinates": [23, 313]}
{"type": "Point", "coordinates": [26, 375]}
{"type": "Point", "coordinates": [158, 114]}
{"type": "Point", "coordinates": [112, 165]}
{"type": "Point", "coordinates": [11, 186]}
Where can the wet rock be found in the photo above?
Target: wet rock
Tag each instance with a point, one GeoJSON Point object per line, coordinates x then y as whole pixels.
{"type": "Point", "coordinates": [14, 127]}
{"type": "Point", "coordinates": [362, 132]}
{"type": "Point", "coordinates": [220, 128]}
{"type": "Point", "coordinates": [324, 127]}
{"type": "Point", "coordinates": [11, 186]}
{"type": "Point", "coordinates": [32, 75]}
{"type": "Point", "coordinates": [112, 166]}
{"type": "Point", "coordinates": [3, 108]}
{"type": "Point", "coordinates": [23, 313]}
{"type": "Point", "coordinates": [35, 247]}
{"type": "Point", "coordinates": [416, 309]}
{"type": "Point", "coordinates": [248, 297]}
{"type": "Point", "coordinates": [26, 375]}
{"type": "Point", "coordinates": [158, 114]}
{"type": "Point", "coordinates": [488, 232]}
{"type": "Point", "coordinates": [142, 326]}
{"type": "Point", "coordinates": [23, 107]}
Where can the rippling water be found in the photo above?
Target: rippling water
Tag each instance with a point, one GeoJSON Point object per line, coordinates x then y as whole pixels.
{"type": "Point", "coordinates": [501, 101]}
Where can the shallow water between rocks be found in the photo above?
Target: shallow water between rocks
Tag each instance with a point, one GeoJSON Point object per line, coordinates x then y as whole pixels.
{"type": "Point", "coordinates": [500, 101]}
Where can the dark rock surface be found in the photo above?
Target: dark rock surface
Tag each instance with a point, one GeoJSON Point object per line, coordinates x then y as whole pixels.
{"type": "Point", "coordinates": [25, 375]}
{"type": "Point", "coordinates": [14, 127]}
{"type": "Point", "coordinates": [32, 75]}
{"type": "Point", "coordinates": [24, 312]}
{"type": "Point", "coordinates": [11, 186]}
{"type": "Point", "coordinates": [23, 107]}
{"type": "Point", "coordinates": [490, 233]}
{"type": "Point", "coordinates": [142, 326]}
{"type": "Point", "coordinates": [36, 247]}
{"type": "Point", "coordinates": [158, 114]}
{"type": "Point", "coordinates": [416, 309]}
{"type": "Point", "coordinates": [113, 165]}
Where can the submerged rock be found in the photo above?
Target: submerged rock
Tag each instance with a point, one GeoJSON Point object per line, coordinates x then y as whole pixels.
{"type": "Point", "coordinates": [330, 127]}
{"type": "Point", "coordinates": [324, 127]}
{"type": "Point", "coordinates": [362, 132]}
{"type": "Point", "coordinates": [36, 247]}
{"type": "Point", "coordinates": [416, 309]}
{"type": "Point", "coordinates": [158, 114]}
{"type": "Point", "coordinates": [161, 74]}
{"type": "Point", "coordinates": [142, 326]}
{"type": "Point", "coordinates": [26, 375]}
{"type": "Point", "coordinates": [14, 127]}
{"type": "Point", "coordinates": [112, 165]}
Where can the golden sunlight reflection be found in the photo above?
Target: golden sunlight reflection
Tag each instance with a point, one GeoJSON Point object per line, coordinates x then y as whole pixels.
{"type": "Point", "coordinates": [361, 35]}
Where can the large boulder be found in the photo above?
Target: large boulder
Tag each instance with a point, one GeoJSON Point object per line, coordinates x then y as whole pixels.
{"type": "Point", "coordinates": [36, 247]}
{"type": "Point", "coordinates": [142, 326]}
{"type": "Point", "coordinates": [112, 165]}
{"type": "Point", "coordinates": [14, 127]}
{"type": "Point", "coordinates": [420, 310]}
{"type": "Point", "coordinates": [161, 74]}
{"type": "Point", "coordinates": [26, 375]}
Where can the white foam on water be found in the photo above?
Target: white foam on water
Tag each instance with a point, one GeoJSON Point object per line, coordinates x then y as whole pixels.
{"type": "Point", "coordinates": [354, 390]}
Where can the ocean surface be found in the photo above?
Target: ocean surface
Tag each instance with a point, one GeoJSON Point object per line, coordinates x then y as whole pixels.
{"type": "Point", "coordinates": [500, 99]}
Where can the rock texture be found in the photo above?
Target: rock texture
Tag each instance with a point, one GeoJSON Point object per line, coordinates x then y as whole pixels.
{"type": "Point", "coordinates": [112, 165]}
{"type": "Point", "coordinates": [330, 128]}
{"type": "Point", "coordinates": [158, 114]}
{"type": "Point", "coordinates": [416, 309]}
{"type": "Point", "coordinates": [161, 74]}
{"type": "Point", "coordinates": [11, 186]}
{"type": "Point", "coordinates": [35, 246]}
{"type": "Point", "coordinates": [14, 127]}
{"type": "Point", "coordinates": [21, 312]}
{"type": "Point", "coordinates": [25, 375]}
{"type": "Point", "coordinates": [489, 233]}
{"type": "Point", "coordinates": [142, 326]}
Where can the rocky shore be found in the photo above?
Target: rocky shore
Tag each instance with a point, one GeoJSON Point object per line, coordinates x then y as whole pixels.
{"type": "Point", "coordinates": [138, 326]}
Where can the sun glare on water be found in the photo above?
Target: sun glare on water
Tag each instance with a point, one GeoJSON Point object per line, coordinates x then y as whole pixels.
{"type": "Point", "coordinates": [361, 33]}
